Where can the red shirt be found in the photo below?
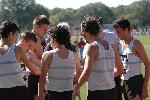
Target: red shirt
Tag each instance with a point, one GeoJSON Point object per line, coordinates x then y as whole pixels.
{"type": "Point", "coordinates": [81, 44]}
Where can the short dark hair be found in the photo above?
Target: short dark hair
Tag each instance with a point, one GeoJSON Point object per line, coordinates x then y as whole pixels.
{"type": "Point", "coordinates": [61, 35]}
{"type": "Point", "coordinates": [90, 24]}
{"type": "Point", "coordinates": [41, 19]}
{"type": "Point", "coordinates": [7, 28]}
{"type": "Point", "coordinates": [122, 23]}
{"type": "Point", "coordinates": [29, 36]}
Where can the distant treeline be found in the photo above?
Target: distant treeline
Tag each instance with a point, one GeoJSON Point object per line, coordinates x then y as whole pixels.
{"type": "Point", "coordinates": [24, 11]}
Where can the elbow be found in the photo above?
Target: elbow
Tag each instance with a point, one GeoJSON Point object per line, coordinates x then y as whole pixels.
{"type": "Point", "coordinates": [36, 71]}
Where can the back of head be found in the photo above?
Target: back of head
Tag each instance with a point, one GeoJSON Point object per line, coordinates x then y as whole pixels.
{"type": "Point", "coordinates": [64, 25]}
{"type": "Point", "coordinates": [122, 23]}
{"type": "Point", "coordinates": [90, 24]}
{"type": "Point", "coordinates": [61, 35]}
{"type": "Point", "coordinates": [8, 28]}
{"type": "Point", "coordinates": [29, 36]}
{"type": "Point", "coordinates": [41, 19]}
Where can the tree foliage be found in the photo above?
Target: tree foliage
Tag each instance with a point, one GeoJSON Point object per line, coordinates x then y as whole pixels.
{"type": "Point", "coordinates": [74, 17]}
{"type": "Point", "coordinates": [24, 11]}
{"type": "Point", "coordinates": [21, 11]}
{"type": "Point", "coordinates": [137, 12]}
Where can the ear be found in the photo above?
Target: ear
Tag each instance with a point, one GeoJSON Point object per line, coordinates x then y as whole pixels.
{"type": "Point", "coordinates": [54, 41]}
{"type": "Point", "coordinates": [87, 33]}
{"type": "Point", "coordinates": [127, 30]}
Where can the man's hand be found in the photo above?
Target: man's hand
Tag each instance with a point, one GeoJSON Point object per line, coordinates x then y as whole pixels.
{"type": "Point", "coordinates": [144, 94]}
{"type": "Point", "coordinates": [76, 93]}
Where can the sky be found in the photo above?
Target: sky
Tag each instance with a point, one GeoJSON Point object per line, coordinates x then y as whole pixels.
{"type": "Point", "coordinates": [75, 4]}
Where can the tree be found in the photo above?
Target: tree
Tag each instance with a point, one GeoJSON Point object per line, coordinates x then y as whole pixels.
{"type": "Point", "coordinates": [145, 13]}
{"type": "Point", "coordinates": [15, 8]}
{"type": "Point", "coordinates": [138, 13]}
{"type": "Point", "coordinates": [21, 11]}
{"type": "Point", "coordinates": [97, 9]}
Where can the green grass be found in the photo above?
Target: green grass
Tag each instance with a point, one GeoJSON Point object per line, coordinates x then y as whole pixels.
{"type": "Point", "coordinates": [146, 42]}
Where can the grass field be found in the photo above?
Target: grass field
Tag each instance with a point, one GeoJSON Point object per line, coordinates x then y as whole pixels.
{"type": "Point", "coordinates": [146, 42]}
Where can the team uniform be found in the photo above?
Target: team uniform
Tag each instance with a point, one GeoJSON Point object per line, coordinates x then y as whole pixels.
{"type": "Point", "coordinates": [112, 39]}
{"type": "Point", "coordinates": [12, 83]}
{"type": "Point", "coordinates": [60, 77]}
{"type": "Point", "coordinates": [101, 84]}
{"type": "Point", "coordinates": [132, 71]}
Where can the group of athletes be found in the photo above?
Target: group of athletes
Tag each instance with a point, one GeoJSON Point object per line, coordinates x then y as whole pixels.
{"type": "Point", "coordinates": [28, 72]}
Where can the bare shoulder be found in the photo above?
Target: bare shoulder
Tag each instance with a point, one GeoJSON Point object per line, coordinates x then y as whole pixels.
{"type": "Point", "coordinates": [92, 49]}
{"type": "Point", "coordinates": [18, 49]}
{"type": "Point", "coordinates": [19, 53]}
{"type": "Point", "coordinates": [138, 44]}
{"type": "Point", "coordinates": [47, 55]}
{"type": "Point", "coordinates": [138, 48]}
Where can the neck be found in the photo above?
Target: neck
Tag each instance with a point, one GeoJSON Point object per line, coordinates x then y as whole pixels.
{"type": "Point", "coordinates": [101, 35]}
{"type": "Point", "coordinates": [92, 39]}
{"type": "Point", "coordinates": [60, 48]}
{"type": "Point", "coordinates": [128, 39]}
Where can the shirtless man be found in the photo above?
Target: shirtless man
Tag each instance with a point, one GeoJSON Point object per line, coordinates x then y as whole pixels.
{"type": "Point", "coordinates": [40, 27]}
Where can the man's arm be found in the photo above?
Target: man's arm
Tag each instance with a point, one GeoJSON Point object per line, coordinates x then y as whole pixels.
{"type": "Point", "coordinates": [139, 49]}
{"type": "Point", "coordinates": [92, 52]}
{"type": "Point", "coordinates": [118, 63]}
{"type": "Point", "coordinates": [34, 59]}
{"type": "Point", "coordinates": [46, 62]}
{"type": "Point", "coordinates": [78, 68]}
{"type": "Point", "coordinates": [21, 56]}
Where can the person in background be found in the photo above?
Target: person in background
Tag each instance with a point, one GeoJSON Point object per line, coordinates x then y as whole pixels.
{"type": "Point", "coordinates": [48, 45]}
{"type": "Point", "coordinates": [64, 25]}
{"type": "Point", "coordinates": [67, 27]}
{"type": "Point", "coordinates": [132, 54]}
{"type": "Point", "coordinates": [111, 38]}
{"type": "Point", "coordinates": [80, 45]}
{"type": "Point", "coordinates": [69, 46]}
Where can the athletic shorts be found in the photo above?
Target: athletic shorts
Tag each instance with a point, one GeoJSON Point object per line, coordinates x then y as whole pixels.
{"type": "Point", "coordinates": [15, 93]}
{"type": "Point", "coordinates": [102, 94]}
{"type": "Point", "coordinates": [53, 95]}
{"type": "Point", "coordinates": [134, 86]}
{"type": "Point", "coordinates": [33, 84]}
